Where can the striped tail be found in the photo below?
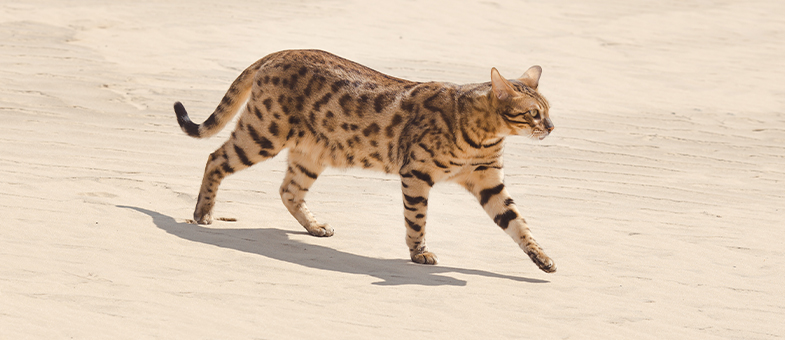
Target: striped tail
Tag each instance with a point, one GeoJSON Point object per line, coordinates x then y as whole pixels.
{"type": "Point", "coordinates": [231, 103]}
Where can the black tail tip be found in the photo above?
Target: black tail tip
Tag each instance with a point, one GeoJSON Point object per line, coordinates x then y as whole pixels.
{"type": "Point", "coordinates": [185, 122]}
{"type": "Point", "coordinates": [179, 109]}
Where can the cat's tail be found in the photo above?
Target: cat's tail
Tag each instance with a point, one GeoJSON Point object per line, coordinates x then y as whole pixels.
{"type": "Point", "coordinates": [233, 100]}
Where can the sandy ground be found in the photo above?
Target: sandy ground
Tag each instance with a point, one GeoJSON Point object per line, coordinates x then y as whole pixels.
{"type": "Point", "coordinates": [660, 194]}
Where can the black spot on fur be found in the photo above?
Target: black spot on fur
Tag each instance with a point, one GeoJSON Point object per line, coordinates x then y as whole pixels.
{"type": "Point", "coordinates": [339, 84]}
{"type": "Point", "coordinates": [325, 99]}
{"type": "Point", "coordinates": [307, 172]}
{"type": "Point", "coordinates": [381, 101]}
{"type": "Point", "coordinates": [293, 81]}
{"type": "Point", "coordinates": [414, 226]}
{"type": "Point", "coordinates": [255, 110]}
{"type": "Point", "coordinates": [260, 140]}
{"type": "Point", "coordinates": [503, 219]}
{"type": "Point", "coordinates": [371, 130]}
{"type": "Point", "coordinates": [242, 156]}
{"type": "Point", "coordinates": [407, 106]}
{"type": "Point", "coordinates": [486, 194]}
{"type": "Point", "coordinates": [345, 103]}
{"type": "Point", "coordinates": [396, 119]}
{"type": "Point", "coordinates": [415, 200]}
{"type": "Point", "coordinates": [227, 169]}
{"type": "Point", "coordinates": [423, 177]}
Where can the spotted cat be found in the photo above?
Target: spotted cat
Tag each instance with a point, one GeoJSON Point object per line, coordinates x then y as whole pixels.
{"type": "Point", "coordinates": [329, 111]}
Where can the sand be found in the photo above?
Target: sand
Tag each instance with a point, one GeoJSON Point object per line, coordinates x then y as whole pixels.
{"type": "Point", "coordinates": [660, 194]}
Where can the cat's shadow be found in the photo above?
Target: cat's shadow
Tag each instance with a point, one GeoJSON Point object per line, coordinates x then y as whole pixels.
{"type": "Point", "coordinates": [276, 244]}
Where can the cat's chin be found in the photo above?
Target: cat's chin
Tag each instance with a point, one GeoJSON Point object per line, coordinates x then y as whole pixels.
{"type": "Point", "coordinates": [538, 136]}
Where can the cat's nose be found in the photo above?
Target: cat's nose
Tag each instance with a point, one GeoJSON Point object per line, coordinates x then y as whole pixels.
{"type": "Point", "coordinates": [548, 125]}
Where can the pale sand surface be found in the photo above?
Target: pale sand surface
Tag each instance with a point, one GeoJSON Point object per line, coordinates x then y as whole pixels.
{"type": "Point", "coordinates": [660, 194]}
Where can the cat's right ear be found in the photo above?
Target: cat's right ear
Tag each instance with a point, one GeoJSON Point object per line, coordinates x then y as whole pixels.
{"type": "Point", "coordinates": [501, 89]}
{"type": "Point", "coordinates": [532, 76]}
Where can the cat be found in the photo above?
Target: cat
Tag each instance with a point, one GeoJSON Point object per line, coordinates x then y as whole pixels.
{"type": "Point", "coordinates": [329, 111]}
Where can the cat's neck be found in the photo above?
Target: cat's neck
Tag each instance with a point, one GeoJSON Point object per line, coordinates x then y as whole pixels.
{"type": "Point", "coordinates": [476, 104]}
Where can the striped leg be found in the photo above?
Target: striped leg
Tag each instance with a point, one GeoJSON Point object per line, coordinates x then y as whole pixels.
{"type": "Point", "coordinates": [300, 175]}
{"type": "Point", "coordinates": [415, 186]}
{"type": "Point", "coordinates": [493, 197]}
{"type": "Point", "coordinates": [246, 147]}
{"type": "Point", "coordinates": [215, 170]}
{"type": "Point", "coordinates": [228, 159]}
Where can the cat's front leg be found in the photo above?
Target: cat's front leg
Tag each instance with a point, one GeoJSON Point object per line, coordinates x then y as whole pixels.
{"type": "Point", "coordinates": [415, 186]}
{"type": "Point", "coordinates": [489, 189]}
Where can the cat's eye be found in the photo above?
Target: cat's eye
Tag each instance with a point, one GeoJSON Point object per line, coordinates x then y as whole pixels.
{"type": "Point", "coordinates": [535, 114]}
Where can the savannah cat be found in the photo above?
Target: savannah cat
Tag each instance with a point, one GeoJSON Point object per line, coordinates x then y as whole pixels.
{"type": "Point", "coordinates": [329, 111]}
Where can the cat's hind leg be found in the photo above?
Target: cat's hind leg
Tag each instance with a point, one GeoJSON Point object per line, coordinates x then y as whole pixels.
{"type": "Point", "coordinates": [300, 175]}
{"type": "Point", "coordinates": [246, 147]}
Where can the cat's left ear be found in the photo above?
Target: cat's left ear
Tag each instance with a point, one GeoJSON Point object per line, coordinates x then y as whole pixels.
{"type": "Point", "coordinates": [531, 77]}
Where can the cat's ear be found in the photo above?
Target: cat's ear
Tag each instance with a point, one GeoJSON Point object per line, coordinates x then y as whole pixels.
{"type": "Point", "coordinates": [532, 76]}
{"type": "Point", "coordinates": [501, 88]}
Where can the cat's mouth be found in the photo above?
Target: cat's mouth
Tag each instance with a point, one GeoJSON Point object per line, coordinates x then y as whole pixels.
{"type": "Point", "coordinates": [539, 135]}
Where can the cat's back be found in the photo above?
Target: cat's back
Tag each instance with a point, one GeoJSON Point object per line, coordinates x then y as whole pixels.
{"type": "Point", "coordinates": [335, 110]}
{"type": "Point", "coordinates": [297, 68]}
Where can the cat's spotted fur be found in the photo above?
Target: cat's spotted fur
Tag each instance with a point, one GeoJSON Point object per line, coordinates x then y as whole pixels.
{"type": "Point", "coordinates": [329, 111]}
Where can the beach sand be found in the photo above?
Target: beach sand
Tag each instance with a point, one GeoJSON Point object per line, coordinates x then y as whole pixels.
{"type": "Point", "coordinates": [660, 193]}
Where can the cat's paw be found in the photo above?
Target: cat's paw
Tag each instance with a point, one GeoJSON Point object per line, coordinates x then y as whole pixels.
{"type": "Point", "coordinates": [321, 230]}
{"type": "Point", "coordinates": [204, 219]}
{"type": "Point", "coordinates": [543, 261]}
{"type": "Point", "coordinates": [425, 257]}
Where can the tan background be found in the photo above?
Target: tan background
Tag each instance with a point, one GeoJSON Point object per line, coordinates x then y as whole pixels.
{"type": "Point", "coordinates": [660, 194]}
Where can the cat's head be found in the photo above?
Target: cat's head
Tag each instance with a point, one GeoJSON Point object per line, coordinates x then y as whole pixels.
{"type": "Point", "coordinates": [522, 108]}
